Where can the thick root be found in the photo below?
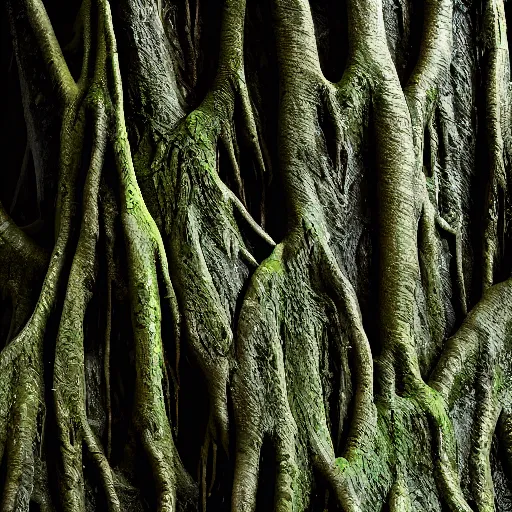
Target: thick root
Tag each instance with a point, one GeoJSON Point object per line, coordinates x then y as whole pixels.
{"type": "Point", "coordinates": [274, 396]}
{"type": "Point", "coordinates": [145, 254]}
{"type": "Point", "coordinates": [498, 130]}
{"type": "Point", "coordinates": [22, 394]}
{"type": "Point", "coordinates": [208, 231]}
{"type": "Point", "coordinates": [69, 378]}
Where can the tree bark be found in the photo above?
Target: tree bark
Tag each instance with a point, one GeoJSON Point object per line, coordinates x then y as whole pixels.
{"type": "Point", "coordinates": [257, 256]}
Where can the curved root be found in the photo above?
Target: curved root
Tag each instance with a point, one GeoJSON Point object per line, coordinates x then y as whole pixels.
{"type": "Point", "coordinates": [273, 394]}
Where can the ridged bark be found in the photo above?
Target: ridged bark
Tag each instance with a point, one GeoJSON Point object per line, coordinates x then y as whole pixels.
{"type": "Point", "coordinates": [259, 288]}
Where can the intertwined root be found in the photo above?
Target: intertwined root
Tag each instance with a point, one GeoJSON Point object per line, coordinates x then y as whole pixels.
{"type": "Point", "coordinates": [22, 388]}
{"type": "Point", "coordinates": [300, 314]}
{"type": "Point", "coordinates": [22, 410]}
{"type": "Point", "coordinates": [210, 258]}
{"type": "Point", "coordinates": [69, 378]}
{"type": "Point", "coordinates": [281, 390]}
{"type": "Point", "coordinates": [22, 394]}
{"type": "Point", "coordinates": [207, 230]}
{"type": "Point", "coordinates": [475, 358]}
{"type": "Point", "coordinates": [298, 308]}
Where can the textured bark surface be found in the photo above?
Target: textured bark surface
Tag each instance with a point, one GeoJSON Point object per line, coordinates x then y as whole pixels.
{"type": "Point", "coordinates": [256, 256]}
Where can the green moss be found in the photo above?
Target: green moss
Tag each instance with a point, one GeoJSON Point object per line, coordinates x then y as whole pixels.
{"type": "Point", "coordinates": [274, 263]}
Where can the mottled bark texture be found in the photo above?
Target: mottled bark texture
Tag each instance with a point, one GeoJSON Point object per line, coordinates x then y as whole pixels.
{"type": "Point", "coordinates": [256, 255]}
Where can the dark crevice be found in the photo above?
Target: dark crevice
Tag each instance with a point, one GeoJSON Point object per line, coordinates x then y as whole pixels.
{"type": "Point", "coordinates": [427, 155]}
{"type": "Point", "coordinates": [502, 270]}
{"type": "Point", "coordinates": [193, 419]}
{"type": "Point", "coordinates": [413, 46]}
{"type": "Point", "coordinates": [6, 312]}
{"type": "Point", "coordinates": [261, 71]}
{"type": "Point", "coordinates": [267, 477]}
{"type": "Point", "coordinates": [371, 321]}
{"type": "Point", "coordinates": [330, 20]}
{"type": "Point", "coordinates": [480, 179]}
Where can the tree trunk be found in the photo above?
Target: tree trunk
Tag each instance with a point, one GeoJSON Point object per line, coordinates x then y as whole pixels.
{"type": "Point", "coordinates": [256, 256]}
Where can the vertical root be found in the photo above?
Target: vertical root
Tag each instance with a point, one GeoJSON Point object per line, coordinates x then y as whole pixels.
{"type": "Point", "coordinates": [50, 49]}
{"type": "Point", "coordinates": [214, 467]}
{"type": "Point", "coordinates": [363, 424]}
{"type": "Point", "coordinates": [28, 399]}
{"type": "Point", "coordinates": [108, 329]}
{"type": "Point", "coordinates": [255, 140]}
{"type": "Point", "coordinates": [103, 466]}
{"type": "Point", "coordinates": [172, 301]}
{"type": "Point", "coordinates": [487, 415]}
{"type": "Point", "coordinates": [23, 396]}
{"type": "Point", "coordinates": [109, 213]}
{"type": "Point", "coordinates": [227, 138]}
{"type": "Point", "coordinates": [69, 378]}
{"type": "Point", "coordinates": [247, 464]}
{"type": "Point", "coordinates": [429, 265]}
{"type": "Point", "coordinates": [399, 500]}
{"type": "Point", "coordinates": [163, 471]}
{"type": "Point", "coordinates": [145, 256]}
{"type": "Point", "coordinates": [204, 466]}
{"type": "Point", "coordinates": [497, 120]}
{"type": "Point", "coordinates": [456, 232]}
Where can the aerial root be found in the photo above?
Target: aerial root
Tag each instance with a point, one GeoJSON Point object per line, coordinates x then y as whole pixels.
{"type": "Point", "coordinates": [22, 395]}
{"type": "Point", "coordinates": [256, 228]}
{"type": "Point", "coordinates": [497, 130]}
{"type": "Point", "coordinates": [192, 33]}
{"type": "Point", "coordinates": [456, 232]}
{"type": "Point", "coordinates": [488, 410]}
{"type": "Point", "coordinates": [247, 464]}
{"type": "Point", "coordinates": [430, 207]}
{"type": "Point", "coordinates": [213, 434]}
{"type": "Point", "coordinates": [22, 433]}
{"type": "Point", "coordinates": [254, 138]}
{"type": "Point", "coordinates": [108, 228]}
{"type": "Point", "coordinates": [434, 406]}
{"type": "Point", "coordinates": [203, 462]}
{"type": "Point", "coordinates": [162, 470]}
{"type": "Point", "coordinates": [364, 418]}
{"type": "Point", "coordinates": [172, 302]}
{"type": "Point", "coordinates": [167, 388]}
{"type": "Point", "coordinates": [214, 467]}
{"type": "Point", "coordinates": [228, 139]}
{"type": "Point", "coordinates": [146, 262]}
{"type": "Point", "coordinates": [399, 499]}
{"type": "Point", "coordinates": [429, 253]}
{"type": "Point", "coordinates": [103, 466]}
{"type": "Point", "coordinates": [69, 358]}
